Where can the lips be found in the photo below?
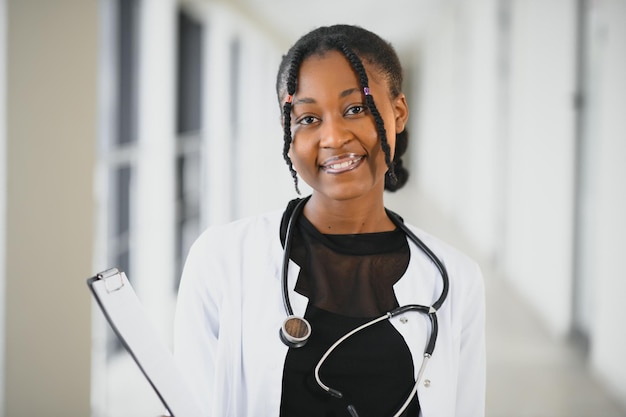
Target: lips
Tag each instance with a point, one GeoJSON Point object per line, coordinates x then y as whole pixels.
{"type": "Point", "coordinates": [342, 163]}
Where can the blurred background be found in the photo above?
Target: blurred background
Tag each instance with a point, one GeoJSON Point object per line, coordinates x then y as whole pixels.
{"type": "Point", "coordinates": [128, 126]}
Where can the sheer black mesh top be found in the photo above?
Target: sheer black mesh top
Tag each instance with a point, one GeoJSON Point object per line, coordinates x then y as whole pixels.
{"type": "Point", "coordinates": [349, 280]}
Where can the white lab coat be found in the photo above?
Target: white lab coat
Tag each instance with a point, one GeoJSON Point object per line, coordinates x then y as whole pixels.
{"type": "Point", "coordinates": [230, 310]}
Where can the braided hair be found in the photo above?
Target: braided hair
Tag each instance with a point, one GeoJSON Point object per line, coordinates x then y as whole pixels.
{"type": "Point", "coordinates": [357, 45]}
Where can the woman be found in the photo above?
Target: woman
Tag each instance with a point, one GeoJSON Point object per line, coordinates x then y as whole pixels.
{"type": "Point", "coordinates": [349, 262]}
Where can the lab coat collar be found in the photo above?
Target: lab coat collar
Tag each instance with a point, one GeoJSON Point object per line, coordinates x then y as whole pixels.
{"type": "Point", "coordinates": [420, 284]}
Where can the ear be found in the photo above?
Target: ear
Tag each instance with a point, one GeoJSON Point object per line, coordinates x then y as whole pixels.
{"type": "Point", "coordinates": [401, 111]}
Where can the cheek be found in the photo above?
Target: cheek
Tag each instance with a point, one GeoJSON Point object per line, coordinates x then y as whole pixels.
{"type": "Point", "coordinates": [299, 153]}
{"type": "Point", "coordinates": [293, 156]}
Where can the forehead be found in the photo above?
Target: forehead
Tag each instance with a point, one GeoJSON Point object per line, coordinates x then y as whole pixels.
{"type": "Point", "coordinates": [330, 69]}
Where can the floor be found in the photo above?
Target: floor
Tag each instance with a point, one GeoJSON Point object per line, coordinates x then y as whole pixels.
{"type": "Point", "coordinates": [529, 373]}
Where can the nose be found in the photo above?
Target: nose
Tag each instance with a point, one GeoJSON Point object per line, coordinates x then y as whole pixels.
{"type": "Point", "coordinates": [334, 133]}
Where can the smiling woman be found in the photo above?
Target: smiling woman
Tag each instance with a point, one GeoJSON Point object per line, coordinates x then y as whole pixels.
{"type": "Point", "coordinates": [336, 148]}
{"type": "Point", "coordinates": [348, 272]}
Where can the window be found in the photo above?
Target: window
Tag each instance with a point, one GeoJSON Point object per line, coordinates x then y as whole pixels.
{"type": "Point", "coordinates": [189, 136]}
{"type": "Point", "coordinates": [119, 147]}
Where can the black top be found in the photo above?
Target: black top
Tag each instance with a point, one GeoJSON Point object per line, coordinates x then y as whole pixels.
{"type": "Point", "coordinates": [349, 280]}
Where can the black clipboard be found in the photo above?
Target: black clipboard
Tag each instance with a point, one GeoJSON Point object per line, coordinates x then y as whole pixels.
{"type": "Point", "coordinates": [127, 317]}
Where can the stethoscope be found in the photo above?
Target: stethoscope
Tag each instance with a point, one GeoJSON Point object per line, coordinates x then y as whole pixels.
{"type": "Point", "coordinates": [295, 330]}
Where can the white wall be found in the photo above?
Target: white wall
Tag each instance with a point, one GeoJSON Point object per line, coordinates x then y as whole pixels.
{"type": "Point", "coordinates": [541, 157]}
{"type": "Point", "coordinates": [455, 121]}
{"type": "Point", "coordinates": [496, 151]}
{"type": "Point", "coordinates": [464, 161]}
{"type": "Point", "coordinates": [257, 155]}
{"type": "Point", "coordinates": [477, 193]}
{"type": "Point", "coordinates": [216, 203]}
{"type": "Point", "coordinates": [3, 33]}
{"type": "Point", "coordinates": [154, 238]}
{"type": "Point", "coordinates": [434, 122]}
{"type": "Point", "coordinates": [51, 91]}
{"type": "Point", "coordinates": [608, 334]}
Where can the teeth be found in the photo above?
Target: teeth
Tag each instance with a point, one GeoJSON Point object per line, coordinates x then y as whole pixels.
{"type": "Point", "coordinates": [342, 165]}
{"type": "Point", "coordinates": [349, 162]}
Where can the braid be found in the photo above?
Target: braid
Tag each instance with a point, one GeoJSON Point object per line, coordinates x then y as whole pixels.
{"type": "Point", "coordinates": [357, 65]}
{"type": "Point", "coordinates": [291, 89]}
{"type": "Point", "coordinates": [401, 173]}
{"type": "Point", "coordinates": [287, 143]}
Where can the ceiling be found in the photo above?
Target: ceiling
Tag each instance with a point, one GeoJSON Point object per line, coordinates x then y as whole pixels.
{"type": "Point", "coordinates": [399, 21]}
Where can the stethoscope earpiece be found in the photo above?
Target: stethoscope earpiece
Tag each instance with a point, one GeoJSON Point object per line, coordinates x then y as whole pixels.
{"type": "Point", "coordinates": [295, 331]}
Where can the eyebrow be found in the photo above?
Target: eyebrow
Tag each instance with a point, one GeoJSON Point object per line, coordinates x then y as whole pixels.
{"type": "Point", "coordinates": [308, 100]}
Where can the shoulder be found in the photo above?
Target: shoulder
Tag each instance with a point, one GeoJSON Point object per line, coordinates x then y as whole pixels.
{"type": "Point", "coordinates": [263, 227]}
{"type": "Point", "coordinates": [462, 269]}
{"type": "Point", "coordinates": [442, 248]}
{"type": "Point", "coordinates": [223, 249]}
{"type": "Point", "coordinates": [225, 245]}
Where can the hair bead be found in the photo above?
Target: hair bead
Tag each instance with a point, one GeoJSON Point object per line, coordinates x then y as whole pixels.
{"type": "Point", "coordinates": [289, 98]}
{"type": "Point", "coordinates": [366, 90]}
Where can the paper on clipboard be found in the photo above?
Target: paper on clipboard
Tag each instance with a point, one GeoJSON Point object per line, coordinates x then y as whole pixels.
{"type": "Point", "coordinates": [124, 312]}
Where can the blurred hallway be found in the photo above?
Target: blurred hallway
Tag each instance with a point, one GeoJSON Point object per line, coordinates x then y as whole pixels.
{"type": "Point", "coordinates": [530, 373]}
{"type": "Point", "coordinates": [129, 126]}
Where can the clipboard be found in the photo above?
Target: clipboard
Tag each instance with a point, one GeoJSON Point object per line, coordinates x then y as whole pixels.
{"type": "Point", "coordinates": [127, 317]}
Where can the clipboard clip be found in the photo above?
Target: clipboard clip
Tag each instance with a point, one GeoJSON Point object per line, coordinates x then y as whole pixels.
{"type": "Point", "coordinates": [113, 280]}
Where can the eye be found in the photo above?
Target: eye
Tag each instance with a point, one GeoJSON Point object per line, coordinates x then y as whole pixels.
{"type": "Point", "coordinates": [306, 120]}
{"type": "Point", "coordinates": [354, 110]}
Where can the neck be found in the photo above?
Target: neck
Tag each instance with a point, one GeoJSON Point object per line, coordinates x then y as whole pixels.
{"type": "Point", "coordinates": [347, 216]}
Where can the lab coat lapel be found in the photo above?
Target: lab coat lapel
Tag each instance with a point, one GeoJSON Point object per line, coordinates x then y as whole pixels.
{"type": "Point", "coordinates": [419, 285]}
{"type": "Point", "coordinates": [298, 301]}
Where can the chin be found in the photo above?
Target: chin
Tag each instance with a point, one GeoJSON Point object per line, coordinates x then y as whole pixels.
{"type": "Point", "coordinates": [345, 192]}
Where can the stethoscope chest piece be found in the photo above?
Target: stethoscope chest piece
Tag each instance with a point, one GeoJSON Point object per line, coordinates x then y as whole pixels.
{"type": "Point", "coordinates": [295, 331]}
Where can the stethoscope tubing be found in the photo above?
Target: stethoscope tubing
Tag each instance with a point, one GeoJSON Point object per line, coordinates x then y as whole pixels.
{"type": "Point", "coordinates": [287, 251]}
{"type": "Point", "coordinates": [397, 220]}
{"type": "Point", "coordinates": [430, 311]}
{"type": "Point", "coordinates": [325, 387]}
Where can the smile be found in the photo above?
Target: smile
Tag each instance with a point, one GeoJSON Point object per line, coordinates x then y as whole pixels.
{"type": "Point", "coordinates": [342, 163]}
